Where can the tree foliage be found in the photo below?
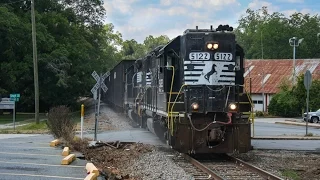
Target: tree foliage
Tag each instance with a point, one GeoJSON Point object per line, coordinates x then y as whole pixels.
{"type": "Point", "coordinates": [290, 102]}
{"type": "Point", "coordinates": [133, 50]}
{"type": "Point", "coordinates": [259, 31]}
{"type": "Point", "coordinates": [72, 42]}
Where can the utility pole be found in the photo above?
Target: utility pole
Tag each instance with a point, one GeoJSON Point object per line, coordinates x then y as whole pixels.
{"type": "Point", "coordinates": [35, 63]}
{"type": "Point", "coordinates": [261, 45]}
{"type": "Point", "coordinates": [263, 98]}
{"type": "Point", "coordinates": [262, 84]}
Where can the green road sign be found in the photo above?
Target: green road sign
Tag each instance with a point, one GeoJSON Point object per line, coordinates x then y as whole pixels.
{"type": "Point", "coordinates": [14, 97]}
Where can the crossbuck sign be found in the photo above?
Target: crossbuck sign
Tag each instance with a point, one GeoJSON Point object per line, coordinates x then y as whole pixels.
{"type": "Point", "coordinates": [97, 85]}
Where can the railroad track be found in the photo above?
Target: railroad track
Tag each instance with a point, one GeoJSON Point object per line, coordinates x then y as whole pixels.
{"type": "Point", "coordinates": [221, 167]}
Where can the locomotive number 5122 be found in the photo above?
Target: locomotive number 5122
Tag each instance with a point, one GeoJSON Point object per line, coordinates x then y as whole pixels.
{"type": "Point", "coordinates": [199, 56]}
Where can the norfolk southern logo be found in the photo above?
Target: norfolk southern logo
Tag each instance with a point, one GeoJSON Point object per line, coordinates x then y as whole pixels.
{"type": "Point", "coordinates": [148, 78]}
{"type": "Point", "coordinates": [210, 73]}
{"type": "Point", "coordinates": [213, 70]}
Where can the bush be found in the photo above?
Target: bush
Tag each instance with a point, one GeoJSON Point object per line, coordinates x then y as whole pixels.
{"type": "Point", "coordinates": [60, 123]}
{"type": "Point", "coordinates": [259, 113]}
{"type": "Point", "coordinates": [285, 104]}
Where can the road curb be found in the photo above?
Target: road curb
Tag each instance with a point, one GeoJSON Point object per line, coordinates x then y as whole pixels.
{"type": "Point", "coordinates": [91, 177]}
{"type": "Point", "coordinates": [65, 151]}
{"type": "Point", "coordinates": [297, 124]}
{"type": "Point", "coordinates": [285, 138]}
{"type": "Point", "coordinates": [68, 159]}
{"type": "Point", "coordinates": [92, 170]}
{"type": "Point", "coordinates": [54, 143]}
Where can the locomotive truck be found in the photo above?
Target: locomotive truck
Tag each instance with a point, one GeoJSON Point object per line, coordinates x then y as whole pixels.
{"type": "Point", "coordinates": [190, 92]}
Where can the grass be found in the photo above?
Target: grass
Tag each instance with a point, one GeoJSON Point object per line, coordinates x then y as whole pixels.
{"type": "Point", "coordinates": [290, 174]}
{"type": "Point", "coordinates": [309, 134]}
{"type": "Point", "coordinates": [31, 128]}
{"type": "Point", "coordinates": [8, 118]}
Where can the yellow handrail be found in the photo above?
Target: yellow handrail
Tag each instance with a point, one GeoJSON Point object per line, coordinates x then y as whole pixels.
{"type": "Point", "coordinates": [171, 121]}
{"type": "Point", "coordinates": [172, 79]}
{"type": "Point", "coordinates": [245, 89]}
{"type": "Point", "coordinates": [251, 114]}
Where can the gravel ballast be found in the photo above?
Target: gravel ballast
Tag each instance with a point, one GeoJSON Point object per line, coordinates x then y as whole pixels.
{"type": "Point", "coordinates": [142, 161]}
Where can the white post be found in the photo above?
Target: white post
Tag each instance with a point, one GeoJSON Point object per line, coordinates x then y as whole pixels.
{"type": "Point", "coordinates": [82, 114]}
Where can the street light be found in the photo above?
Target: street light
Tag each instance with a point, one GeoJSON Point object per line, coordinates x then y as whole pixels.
{"type": "Point", "coordinates": [295, 43]}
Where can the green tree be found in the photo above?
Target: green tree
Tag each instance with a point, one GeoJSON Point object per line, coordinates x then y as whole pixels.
{"type": "Point", "coordinates": [131, 49]}
{"type": "Point", "coordinates": [290, 101]}
{"type": "Point", "coordinates": [152, 42]}
{"type": "Point", "coordinates": [259, 31]}
{"type": "Point", "coordinates": [72, 42]}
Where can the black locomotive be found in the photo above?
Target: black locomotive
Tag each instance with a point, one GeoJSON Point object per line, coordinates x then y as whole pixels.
{"type": "Point", "coordinates": [190, 92]}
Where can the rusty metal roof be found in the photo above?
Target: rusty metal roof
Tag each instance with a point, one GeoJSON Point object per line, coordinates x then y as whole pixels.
{"type": "Point", "coordinates": [275, 71]}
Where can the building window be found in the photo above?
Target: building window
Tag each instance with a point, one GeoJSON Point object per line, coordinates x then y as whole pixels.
{"type": "Point", "coordinates": [257, 102]}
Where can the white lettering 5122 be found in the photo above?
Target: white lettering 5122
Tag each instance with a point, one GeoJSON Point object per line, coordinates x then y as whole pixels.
{"type": "Point", "coordinates": [223, 56]}
{"type": "Point", "coordinates": [199, 56]}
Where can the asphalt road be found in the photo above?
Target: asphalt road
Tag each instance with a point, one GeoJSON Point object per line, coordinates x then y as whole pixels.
{"type": "Point", "coordinates": [30, 157]}
{"type": "Point", "coordinates": [267, 127]}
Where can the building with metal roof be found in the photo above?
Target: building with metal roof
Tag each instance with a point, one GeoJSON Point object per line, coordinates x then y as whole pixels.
{"type": "Point", "coordinates": [268, 74]}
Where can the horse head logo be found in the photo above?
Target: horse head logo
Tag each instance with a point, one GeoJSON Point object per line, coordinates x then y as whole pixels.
{"type": "Point", "coordinates": [213, 70]}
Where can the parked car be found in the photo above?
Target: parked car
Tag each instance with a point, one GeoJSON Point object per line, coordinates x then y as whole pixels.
{"type": "Point", "coordinates": [313, 117]}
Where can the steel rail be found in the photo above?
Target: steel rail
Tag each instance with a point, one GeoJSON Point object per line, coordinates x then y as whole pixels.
{"type": "Point", "coordinates": [256, 169]}
{"type": "Point", "coordinates": [204, 168]}
{"type": "Point", "coordinates": [264, 174]}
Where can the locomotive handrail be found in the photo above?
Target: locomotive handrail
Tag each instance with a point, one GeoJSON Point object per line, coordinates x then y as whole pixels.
{"type": "Point", "coordinates": [172, 78]}
{"type": "Point", "coordinates": [251, 114]}
{"type": "Point", "coordinates": [171, 121]}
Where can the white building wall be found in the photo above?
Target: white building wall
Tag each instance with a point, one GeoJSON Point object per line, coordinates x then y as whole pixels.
{"type": "Point", "coordinates": [258, 101]}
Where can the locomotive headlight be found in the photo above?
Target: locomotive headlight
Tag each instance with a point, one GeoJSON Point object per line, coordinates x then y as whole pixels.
{"type": "Point", "coordinates": [212, 45]}
{"type": "Point", "coordinates": [232, 106]}
{"type": "Point", "coordinates": [195, 106]}
{"type": "Point", "coordinates": [215, 46]}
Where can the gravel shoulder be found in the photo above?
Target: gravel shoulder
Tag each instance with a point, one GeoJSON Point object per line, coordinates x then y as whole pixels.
{"type": "Point", "coordinates": [129, 160]}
